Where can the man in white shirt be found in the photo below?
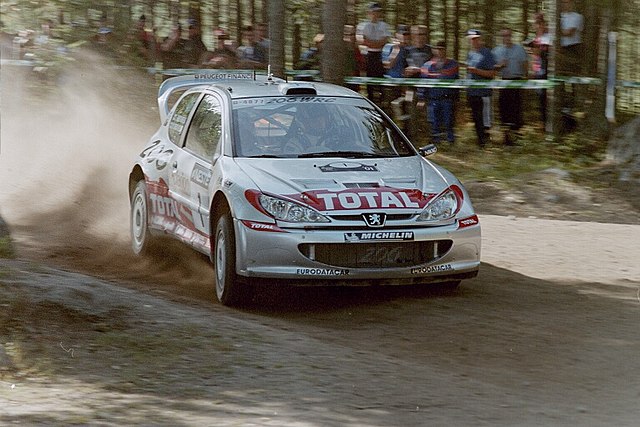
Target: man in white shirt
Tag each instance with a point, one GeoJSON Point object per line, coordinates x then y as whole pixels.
{"type": "Point", "coordinates": [374, 34]}
{"type": "Point", "coordinates": [571, 27]}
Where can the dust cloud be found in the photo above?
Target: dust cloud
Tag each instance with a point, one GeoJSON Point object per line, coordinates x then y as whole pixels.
{"type": "Point", "coordinates": [65, 155]}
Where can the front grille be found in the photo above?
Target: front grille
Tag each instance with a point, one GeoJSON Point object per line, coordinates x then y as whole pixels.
{"type": "Point", "coordinates": [390, 217]}
{"type": "Point", "coordinates": [376, 254]}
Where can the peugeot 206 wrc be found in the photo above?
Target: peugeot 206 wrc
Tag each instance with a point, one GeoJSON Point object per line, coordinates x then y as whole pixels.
{"type": "Point", "coordinates": [297, 180]}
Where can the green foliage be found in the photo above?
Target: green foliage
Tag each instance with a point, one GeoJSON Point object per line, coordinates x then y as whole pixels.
{"type": "Point", "coordinates": [534, 152]}
{"type": "Point", "coordinates": [6, 248]}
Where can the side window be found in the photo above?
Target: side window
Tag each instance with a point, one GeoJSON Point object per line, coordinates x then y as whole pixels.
{"type": "Point", "coordinates": [205, 128]}
{"type": "Point", "coordinates": [179, 118]}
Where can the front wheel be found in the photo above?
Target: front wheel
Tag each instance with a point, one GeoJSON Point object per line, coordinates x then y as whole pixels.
{"type": "Point", "coordinates": [228, 286]}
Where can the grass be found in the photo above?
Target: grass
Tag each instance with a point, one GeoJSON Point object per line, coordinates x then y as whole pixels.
{"type": "Point", "coordinates": [533, 153]}
{"type": "Point", "coordinates": [6, 248]}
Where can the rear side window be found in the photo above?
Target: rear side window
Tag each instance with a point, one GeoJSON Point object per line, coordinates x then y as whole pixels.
{"type": "Point", "coordinates": [179, 118]}
{"type": "Point", "coordinates": [205, 128]}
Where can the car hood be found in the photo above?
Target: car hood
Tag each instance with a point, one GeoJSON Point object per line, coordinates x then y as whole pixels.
{"type": "Point", "coordinates": [348, 184]}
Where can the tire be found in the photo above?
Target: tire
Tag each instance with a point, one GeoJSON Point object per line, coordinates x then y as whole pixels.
{"type": "Point", "coordinates": [228, 286]}
{"type": "Point", "coordinates": [139, 220]}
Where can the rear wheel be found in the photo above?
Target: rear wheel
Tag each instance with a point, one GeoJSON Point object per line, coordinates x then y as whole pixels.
{"type": "Point", "coordinates": [139, 221]}
{"type": "Point", "coordinates": [228, 286]}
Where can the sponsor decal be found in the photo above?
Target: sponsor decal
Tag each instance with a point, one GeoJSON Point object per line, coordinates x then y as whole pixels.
{"type": "Point", "coordinates": [372, 198]}
{"type": "Point", "coordinates": [224, 76]}
{"type": "Point", "coordinates": [192, 237]}
{"type": "Point", "coordinates": [261, 226]}
{"type": "Point", "coordinates": [201, 175]}
{"type": "Point", "coordinates": [300, 99]}
{"type": "Point", "coordinates": [378, 235]}
{"type": "Point", "coordinates": [348, 167]}
{"type": "Point", "coordinates": [432, 269]}
{"type": "Point", "coordinates": [468, 222]}
{"type": "Point", "coordinates": [164, 206]}
{"type": "Point", "coordinates": [179, 182]}
{"type": "Point", "coordinates": [322, 272]}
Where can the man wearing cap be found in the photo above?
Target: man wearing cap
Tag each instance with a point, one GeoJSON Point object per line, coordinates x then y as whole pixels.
{"type": "Point", "coordinates": [441, 100]}
{"type": "Point", "coordinates": [480, 66]}
{"type": "Point", "coordinates": [374, 34]}
{"type": "Point", "coordinates": [513, 64]}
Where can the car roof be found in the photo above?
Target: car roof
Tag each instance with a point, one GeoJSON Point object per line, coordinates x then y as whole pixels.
{"type": "Point", "coordinates": [279, 87]}
{"type": "Point", "coordinates": [245, 84]}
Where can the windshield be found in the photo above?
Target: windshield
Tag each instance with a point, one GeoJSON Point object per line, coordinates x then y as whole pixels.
{"type": "Point", "coordinates": [314, 126]}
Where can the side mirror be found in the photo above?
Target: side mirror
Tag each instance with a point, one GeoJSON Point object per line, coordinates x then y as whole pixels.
{"type": "Point", "coordinates": [428, 150]}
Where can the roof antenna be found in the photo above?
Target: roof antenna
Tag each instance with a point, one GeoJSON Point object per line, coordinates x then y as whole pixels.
{"type": "Point", "coordinates": [269, 74]}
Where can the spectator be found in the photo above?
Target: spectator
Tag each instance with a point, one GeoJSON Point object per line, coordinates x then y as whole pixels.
{"type": "Point", "coordinates": [394, 54]}
{"type": "Point", "coordinates": [540, 60]}
{"type": "Point", "coordinates": [193, 48]}
{"type": "Point", "coordinates": [223, 56]}
{"type": "Point", "coordinates": [354, 62]}
{"type": "Point", "coordinates": [311, 59]}
{"type": "Point", "coordinates": [571, 26]}
{"type": "Point", "coordinates": [263, 44]}
{"type": "Point", "coordinates": [374, 34]}
{"type": "Point", "coordinates": [480, 66]}
{"type": "Point", "coordinates": [512, 63]}
{"type": "Point", "coordinates": [145, 41]}
{"type": "Point", "coordinates": [248, 52]}
{"type": "Point", "coordinates": [172, 47]}
{"type": "Point", "coordinates": [419, 52]}
{"type": "Point", "coordinates": [441, 100]}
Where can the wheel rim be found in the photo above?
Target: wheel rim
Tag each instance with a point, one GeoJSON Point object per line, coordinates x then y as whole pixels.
{"type": "Point", "coordinates": [220, 263]}
{"type": "Point", "coordinates": [138, 221]}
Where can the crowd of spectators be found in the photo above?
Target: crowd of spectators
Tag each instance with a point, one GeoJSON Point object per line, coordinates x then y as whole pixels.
{"type": "Point", "coordinates": [407, 53]}
{"type": "Point", "coordinates": [186, 49]}
{"type": "Point", "coordinates": [372, 51]}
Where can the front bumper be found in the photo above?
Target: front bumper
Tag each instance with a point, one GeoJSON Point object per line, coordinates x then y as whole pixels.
{"type": "Point", "coordinates": [290, 254]}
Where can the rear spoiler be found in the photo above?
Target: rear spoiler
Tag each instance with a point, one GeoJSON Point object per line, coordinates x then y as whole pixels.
{"type": "Point", "coordinates": [197, 78]}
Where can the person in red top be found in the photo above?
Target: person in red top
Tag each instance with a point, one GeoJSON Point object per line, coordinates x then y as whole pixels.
{"type": "Point", "coordinates": [441, 101]}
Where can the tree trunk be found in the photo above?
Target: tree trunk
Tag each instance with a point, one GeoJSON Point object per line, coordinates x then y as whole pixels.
{"type": "Point", "coordinates": [333, 46]}
{"type": "Point", "coordinates": [456, 30]}
{"type": "Point", "coordinates": [276, 29]}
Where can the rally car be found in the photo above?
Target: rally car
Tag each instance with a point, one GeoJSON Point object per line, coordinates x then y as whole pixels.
{"type": "Point", "coordinates": [297, 182]}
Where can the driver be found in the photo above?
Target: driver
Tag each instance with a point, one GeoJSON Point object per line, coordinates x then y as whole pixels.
{"type": "Point", "coordinates": [313, 132]}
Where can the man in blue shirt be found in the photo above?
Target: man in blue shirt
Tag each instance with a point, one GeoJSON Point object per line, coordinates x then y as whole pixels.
{"type": "Point", "coordinates": [513, 64]}
{"type": "Point", "coordinates": [480, 66]}
{"type": "Point", "coordinates": [441, 100]}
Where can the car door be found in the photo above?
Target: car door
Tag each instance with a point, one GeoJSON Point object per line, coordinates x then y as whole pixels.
{"type": "Point", "coordinates": [159, 154]}
{"type": "Point", "coordinates": [191, 172]}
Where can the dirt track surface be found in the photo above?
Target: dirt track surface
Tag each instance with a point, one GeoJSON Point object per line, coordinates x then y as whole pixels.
{"type": "Point", "coordinates": [546, 335]}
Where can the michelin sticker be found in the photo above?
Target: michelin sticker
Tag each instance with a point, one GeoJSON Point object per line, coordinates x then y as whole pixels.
{"type": "Point", "coordinates": [378, 235]}
{"type": "Point", "coordinates": [432, 269]}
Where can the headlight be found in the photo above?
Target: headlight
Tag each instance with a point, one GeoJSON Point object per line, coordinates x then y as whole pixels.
{"type": "Point", "coordinates": [443, 207]}
{"type": "Point", "coordinates": [285, 210]}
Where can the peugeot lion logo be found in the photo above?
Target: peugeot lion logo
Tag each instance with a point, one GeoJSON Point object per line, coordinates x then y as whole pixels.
{"type": "Point", "coordinates": [374, 219]}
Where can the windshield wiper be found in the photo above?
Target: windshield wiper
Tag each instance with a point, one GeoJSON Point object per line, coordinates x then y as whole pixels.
{"type": "Point", "coordinates": [349, 154]}
{"type": "Point", "coordinates": [264, 156]}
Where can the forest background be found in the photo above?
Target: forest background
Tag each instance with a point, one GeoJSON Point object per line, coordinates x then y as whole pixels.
{"type": "Point", "coordinates": [294, 23]}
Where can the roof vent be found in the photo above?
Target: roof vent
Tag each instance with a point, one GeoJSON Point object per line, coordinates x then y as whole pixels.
{"type": "Point", "coordinates": [298, 89]}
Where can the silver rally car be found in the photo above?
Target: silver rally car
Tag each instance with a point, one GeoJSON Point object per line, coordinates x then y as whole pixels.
{"type": "Point", "coordinates": [304, 183]}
